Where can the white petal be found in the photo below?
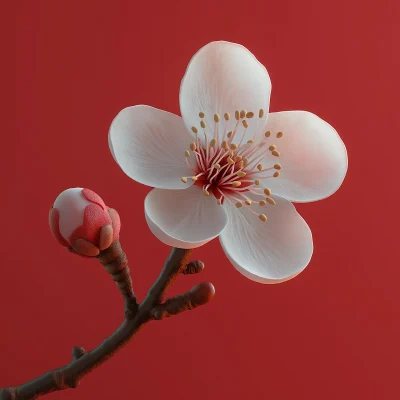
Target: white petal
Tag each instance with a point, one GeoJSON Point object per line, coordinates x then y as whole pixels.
{"type": "Point", "coordinates": [223, 77]}
{"type": "Point", "coordinates": [267, 252]}
{"type": "Point", "coordinates": [149, 145]}
{"type": "Point", "coordinates": [313, 156]}
{"type": "Point", "coordinates": [186, 218]}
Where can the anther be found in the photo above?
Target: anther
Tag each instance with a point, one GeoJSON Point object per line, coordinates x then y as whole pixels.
{"type": "Point", "coordinates": [219, 201]}
{"type": "Point", "coordinates": [187, 153]}
{"type": "Point", "coordinates": [240, 164]}
{"type": "Point", "coordinates": [259, 167]}
{"type": "Point", "coordinates": [217, 166]}
{"type": "Point", "coordinates": [229, 134]}
{"type": "Point", "coordinates": [245, 123]}
{"type": "Point", "coordinates": [248, 202]}
{"type": "Point", "coordinates": [194, 129]}
{"type": "Point", "coordinates": [206, 192]}
{"type": "Point", "coordinates": [250, 141]}
{"type": "Point", "coordinates": [262, 203]}
{"type": "Point", "coordinates": [201, 114]}
{"type": "Point", "coordinates": [257, 182]}
{"type": "Point", "coordinates": [238, 158]}
{"type": "Point", "coordinates": [241, 174]}
{"type": "Point", "coordinates": [261, 113]}
{"type": "Point", "coordinates": [263, 217]}
{"type": "Point", "coordinates": [194, 178]}
{"type": "Point", "coordinates": [277, 166]}
{"type": "Point", "coordinates": [245, 162]}
{"type": "Point", "coordinates": [216, 118]}
{"type": "Point", "coordinates": [183, 179]}
{"type": "Point", "coordinates": [276, 174]}
{"type": "Point", "coordinates": [250, 114]}
{"type": "Point", "coordinates": [225, 145]}
{"type": "Point", "coordinates": [237, 115]}
{"type": "Point", "coordinates": [276, 153]}
{"type": "Point", "coordinates": [272, 148]}
{"type": "Point", "coordinates": [267, 192]}
{"type": "Point", "coordinates": [213, 142]}
{"type": "Point", "coordinates": [193, 146]}
{"type": "Point", "coordinates": [202, 124]}
{"type": "Point", "coordinates": [279, 135]}
{"type": "Point", "coordinates": [234, 146]}
{"type": "Point", "coordinates": [227, 116]}
{"type": "Point", "coordinates": [243, 113]}
{"type": "Point", "coordinates": [236, 184]}
{"type": "Point", "coordinates": [230, 161]}
{"type": "Point", "coordinates": [238, 204]}
{"type": "Point", "coordinates": [271, 201]}
{"type": "Point", "coordinates": [267, 134]}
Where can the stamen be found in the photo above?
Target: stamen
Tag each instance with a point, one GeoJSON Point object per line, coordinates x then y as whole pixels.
{"type": "Point", "coordinates": [238, 204]}
{"type": "Point", "coordinates": [245, 124]}
{"type": "Point", "coordinates": [201, 114]}
{"type": "Point", "coordinates": [276, 153]}
{"type": "Point", "coordinates": [279, 135]}
{"type": "Point", "coordinates": [193, 146]}
{"type": "Point", "coordinates": [272, 148]}
{"type": "Point", "coordinates": [276, 174]}
{"type": "Point", "coordinates": [217, 166]}
{"type": "Point", "coordinates": [234, 146]}
{"type": "Point", "coordinates": [243, 114]}
{"type": "Point", "coordinates": [277, 166]}
{"type": "Point", "coordinates": [250, 114]}
{"type": "Point", "coordinates": [248, 202]}
{"type": "Point", "coordinates": [263, 217]}
{"type": "Point", "coordinates": [267, 191]}
{"type": "Point", "coordinates": [227, 116]}
{"type": "Point", "coordinates": [257, 182]}
{"type": "Point", "coordinates": [202, 124]}
{"type": "Point", "coordinates": [238, 158]}
{"type": "Point", "coordinates": [219, 201]}
{"type": "Point", "coordinates": [267, 134]}
{"type": "Point", "coordinates": [194, 129]}
{"type": "Point", "coordinates": [236, 184]}
{"type": "Point", "coordinates": [213, 142]}
{"type": "Point", "coordinates": [225, 145]}
{"type": "Point", "coordinates": [216, 118]}
{"type": "Point", "coordinates": [184, 179]}
{"type": "Point", "coordinates": [229, 135]}
{"type": "Point", "coordinates": [262, 203]}
{"type": "Point", "coordinates": [271, 201]}
{"type": "Point", "coordinates": [261, 113]}
{"type": "Point", "coordinates": [187, 153]}
{"type": "Point", "coordinates": [237, 115]}
{"type": "Point", "coordinates": [250, 141]}
{"type": "Point", "coordinates": [259, 167]}
{"type": "Point", "coordinates": [241, 174]}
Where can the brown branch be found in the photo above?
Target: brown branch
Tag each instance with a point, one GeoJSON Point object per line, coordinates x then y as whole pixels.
{"type": "Point", "coordinates": [69, 376]}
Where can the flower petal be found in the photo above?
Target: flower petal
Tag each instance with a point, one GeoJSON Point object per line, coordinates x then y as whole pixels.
{"type": "Point", "coordinates": [313, 156]}
{"type": "Point", "coordinates": [223, 77]}
{"type": "Point", "coordinates": [186, 219]}
{"type": "Point", "coordinates": [149, 145]}
{"type": "Point", "coordinates": [267, 252]}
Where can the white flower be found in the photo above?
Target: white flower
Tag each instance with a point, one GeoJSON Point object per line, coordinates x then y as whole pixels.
{"type": "Point", "coordinates": [226, 159]}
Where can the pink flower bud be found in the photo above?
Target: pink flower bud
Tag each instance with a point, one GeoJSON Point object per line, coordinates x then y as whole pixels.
{"type": "Point", "coordinates": [80, 214]}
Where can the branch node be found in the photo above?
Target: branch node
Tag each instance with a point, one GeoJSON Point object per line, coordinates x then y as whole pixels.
{"type": "Point", "coordinates": [194, 267]}
{"type": "Point", "coordinates": [77, 352]}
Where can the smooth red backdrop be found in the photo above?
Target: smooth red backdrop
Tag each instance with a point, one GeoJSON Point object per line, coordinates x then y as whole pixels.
{"type": "Point", "coordinates": [332, 332]}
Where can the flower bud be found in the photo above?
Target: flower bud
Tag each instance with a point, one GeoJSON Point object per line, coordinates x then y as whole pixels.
{"type": "Point", "coordinates": [80, 216]}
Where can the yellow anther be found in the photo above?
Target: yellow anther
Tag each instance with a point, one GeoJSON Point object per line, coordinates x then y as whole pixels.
{"type": "Point", "coordinates": [261, 113]}
{"type": "Point", "coordinates": [262, 203]}
{"type": "Point", "coordinates": [240, 164]}
{"type": "Point", "coordinates": [238, 158]}
{"type": "Point", "coordinates": [267, 192]}
{"type": "Point", "coordinates": [217, 166]}
{"type": "Point", "coordinates": [238, 204]}
{"type": "Point", "coordinates": [194, 178]}
{"type": "Point", "coordinates": [201, 114]}
{"type": "Point", "coordinates": [183, 179]}
{"type": "Point", "coordinates": [263, 217]}
{"type": "Point", "coordinates": [194, 129]}
{"type": "Point", "coordinates": [250, 114]}
{"type": "Point", "coordinates": [206, 192]}
{"type": "Point", "coordinates": [276, 153]}
{"type": "Point", "coordinates": [227, 116]}
{"type": "Point", "coordinates": [216, 118]}
{"type": "Point", "coordinates": [229, 134]}
{"type": "Point", "coordinates": [219, 201]}
{"type": "Point", "coordinates": [270, 201]}
{"type": "Point", "coordinates": [279, 135]}
{"type": "Point", "coordinates": [248, 202]}
{"type": "Point", "coordinates": [202, 124]}
{"type": "Point", "coordinates": [225, 145]}
{"type": "Point", "coordinates": [257, 182]}
{"type": "Point", "coordinates": [241, 174]}
{"type": "Point", "coordinates": [245, 162]}
{"type": "Point", "coordinates": [237, 115]}
{"type": "Point", "coordinates": [267, 134]}
{"type": "Point", "coordinates": [245, 123]}
{"type": "Point", "coordinates": [187, 153]}
{"type": "Point", "coordinates": [213, 142]}
{"type": "Point", "coordinates": [259, 167]}
{"type": "Point", "coordinates": [236, 184]}
{"type": "Point", "coordinates": [276, 174]}
{"type": "Point", "coordinates": [272, 148]}
{"type": "Point", "coordinates": [250, 141]}
{"type": "Point", "coordinates": [230, 161]}
{"type": "Point", "coordinates": [193, 146]}
{"type": "Point", "coordinates": [234, 146]}
{"type": "Point", "coordinates": [278, 166]}
{"type": "Point", "coordinates": [243, 113]}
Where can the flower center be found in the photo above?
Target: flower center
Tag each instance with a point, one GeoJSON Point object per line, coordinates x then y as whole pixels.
{"type": "Point", "coordinates": [227, 168]}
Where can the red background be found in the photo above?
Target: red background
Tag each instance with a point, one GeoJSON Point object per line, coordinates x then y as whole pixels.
{"type": "Point", "coordinates": [331, 333]}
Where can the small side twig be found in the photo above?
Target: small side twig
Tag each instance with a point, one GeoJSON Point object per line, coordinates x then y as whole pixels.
{"type": "Point", "coordinates": [70, 375]}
